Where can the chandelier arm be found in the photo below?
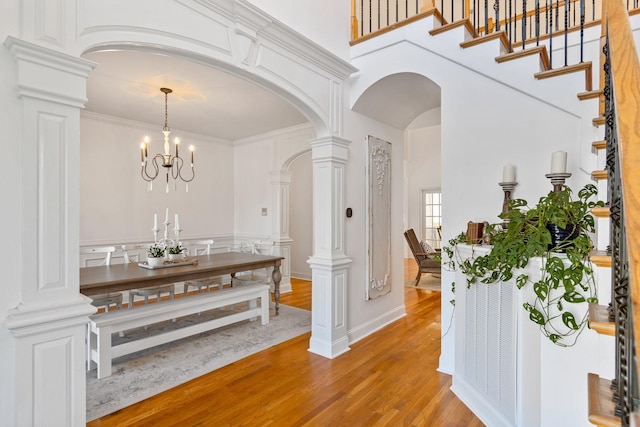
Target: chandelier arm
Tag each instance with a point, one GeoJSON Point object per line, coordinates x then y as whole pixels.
{"type": "Point", "coordinates": [143, 172]}
{"type": "Point", "coordinates": [178, 163]}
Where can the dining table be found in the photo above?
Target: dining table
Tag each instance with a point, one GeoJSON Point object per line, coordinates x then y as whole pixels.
{"type": "Point", "coordinates": [122, 277]}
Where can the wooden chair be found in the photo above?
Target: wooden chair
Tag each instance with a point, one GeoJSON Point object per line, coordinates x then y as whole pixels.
{"type": "Point", "coordinates": [200, 247]}
{"type": "Point", "coordinates": [425, 261]}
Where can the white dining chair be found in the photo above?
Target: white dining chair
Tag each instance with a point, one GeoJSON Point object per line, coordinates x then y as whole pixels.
{"type": "Point", "coordinates": [260, 275]}
{"type": "Point", "coordinates": [151, 290]}
{"type": "Point", "coordinates": [104, 254]}
{"type": "Point", "coordinates": [194, 248]}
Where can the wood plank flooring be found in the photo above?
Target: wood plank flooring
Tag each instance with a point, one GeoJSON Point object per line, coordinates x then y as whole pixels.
{"type": "Point", "coordinates": [386, 379]}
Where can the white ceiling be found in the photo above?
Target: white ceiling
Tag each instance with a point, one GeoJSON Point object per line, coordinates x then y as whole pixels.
{"type": "Point", "coordinates": [212, 102]}
{"type": "Point", "coordinates": [205, 100]}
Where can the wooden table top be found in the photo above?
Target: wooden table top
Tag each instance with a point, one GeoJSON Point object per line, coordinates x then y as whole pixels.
{"type": "Point", "coordinates": [121, 277]}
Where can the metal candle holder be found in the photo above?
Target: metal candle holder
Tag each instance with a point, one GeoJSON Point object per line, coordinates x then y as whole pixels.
{"type": "Point", "coordinates": [508, 188]}
{"type": "Point", "coordinates": [557, 180]}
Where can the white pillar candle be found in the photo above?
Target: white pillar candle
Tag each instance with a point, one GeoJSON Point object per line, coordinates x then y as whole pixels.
{"type": "Point", "coordinates": [177, 223]}
{"type": "Point", "coordinates": [509, 173]}
{"type": "Point", "coordinates": [559, 162]}
{"type": "Point", "coordinates": [155, 221]}
{"type": "Point", "coordinates": [166, 215]}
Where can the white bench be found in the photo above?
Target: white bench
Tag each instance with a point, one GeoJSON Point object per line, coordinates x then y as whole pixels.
{"type": "Point", "coordinates": [101, 326]}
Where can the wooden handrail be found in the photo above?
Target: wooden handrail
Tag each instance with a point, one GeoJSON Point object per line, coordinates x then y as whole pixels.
{"type": "Point", "coordinates": [625, 72]}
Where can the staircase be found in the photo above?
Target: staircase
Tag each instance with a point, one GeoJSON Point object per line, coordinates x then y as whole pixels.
{"type": "Point", "coordinates": [601, 406]}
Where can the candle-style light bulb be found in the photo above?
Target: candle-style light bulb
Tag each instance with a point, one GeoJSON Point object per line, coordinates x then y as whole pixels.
{"type": "Point", "coordinates": [142, 146]}
{"type": "Point", "coordinates": [177, 142]}
{"type": "Point", "coordinates": [191, 148]}
{"type": "Point", "coordinates": [146, 146]}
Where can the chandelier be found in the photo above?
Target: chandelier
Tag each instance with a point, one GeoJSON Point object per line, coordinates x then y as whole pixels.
{"type": "Point", "coordinates": [172, 163]}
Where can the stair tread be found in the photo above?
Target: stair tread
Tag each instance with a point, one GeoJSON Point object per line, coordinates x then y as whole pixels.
{"type": "Point", "coordinates": [599, 145]}
{"type": "Point", "coordinates": [601, 406]}
{"type": "Point", "coordinates": [590, 94]}
{"type": "Point", "coordinates": [500, 35]}
{"type": "Point", "coordinates": [599, 121]}
{"type": "Point", "coordinates": [538, 50]}
{"type": "Point", "coordinates": [599, 175]}
{"type": "Point", "coordinates": [461, 23]}
{"type": "Point", "coordinates": [600, 258]}
{"type": "Point", "coordinates": [583, 66]}
{"type": "Point", "coordinates": [601, 212]}
{"type": "Point", "coordinates": [599, 320]}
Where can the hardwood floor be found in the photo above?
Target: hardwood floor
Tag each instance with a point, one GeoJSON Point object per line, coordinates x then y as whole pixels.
{"type": "Point", "coordinates": [386, 379]}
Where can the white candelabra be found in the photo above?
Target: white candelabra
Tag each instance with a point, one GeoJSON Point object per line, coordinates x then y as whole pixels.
{"type": "Point", "coordinates": [165, 240]}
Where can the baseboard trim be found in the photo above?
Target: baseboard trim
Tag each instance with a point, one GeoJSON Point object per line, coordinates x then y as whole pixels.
{"type": "Point", "coordinates": [374, 325]}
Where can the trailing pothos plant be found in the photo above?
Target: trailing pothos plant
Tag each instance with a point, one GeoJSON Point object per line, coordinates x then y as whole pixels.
{"type": "Point", "coordinates": [566, 274]}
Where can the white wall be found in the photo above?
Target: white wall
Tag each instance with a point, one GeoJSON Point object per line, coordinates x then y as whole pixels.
{"type": "Point", "coordinates": [301, 215]}
{"type": "Point", "coordinates": [326, 22]}
{"type": "Point", "coordinates": [115, 206]}
{"type": "Point", "coordinates": [365, 316]}
{"type": "Point", "coordinates": [422, 163]}
{"type": "Point", "coordinates": [254, 159]}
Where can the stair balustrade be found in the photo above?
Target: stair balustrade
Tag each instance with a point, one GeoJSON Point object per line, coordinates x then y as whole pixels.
{"type": "Point", "coordinates": [526, 23]}
{"type": "Point", "coordinates": [622, 106]}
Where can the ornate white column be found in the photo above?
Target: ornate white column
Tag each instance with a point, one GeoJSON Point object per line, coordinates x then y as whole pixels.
{"type": "Point", "coordinates": [329, 264]}
{"type": "Point", "coordinates": [48, 325]}
{"type": "Point", "coordinates": [280, 181]}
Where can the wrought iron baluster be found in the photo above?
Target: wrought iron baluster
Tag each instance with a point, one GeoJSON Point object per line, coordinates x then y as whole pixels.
{"type": "Point", "coordinates": [537, 18]}
{"type": "Point", "coordinates": [496, 9]}
{"type": "Point", "coordinates": [566, 31]}
{"type": "Point", "coordinates": [486, 16]}
{"type": "Point", "coordinates": [551, 34]}
{"type": "Point", "coordinates": [524, 22]}
{"type": "Point", "coordinates": [581, 31]}
{"type": "Point", "coordinates": [361, 17]}
{"type": "Point", "coordinates": [388, 14]}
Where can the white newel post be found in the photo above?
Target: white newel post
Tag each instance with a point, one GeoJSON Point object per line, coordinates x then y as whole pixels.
{"type": "Point", "coordinates": [329, 264]}
{"type": "Point", "coordinates": [280, 182]}
{"type": "Point", "coordinates": [48, 325]}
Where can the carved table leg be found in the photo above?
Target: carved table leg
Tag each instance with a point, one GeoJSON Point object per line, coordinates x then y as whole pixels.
{"type": "Point", "coordinates": [276, 276]}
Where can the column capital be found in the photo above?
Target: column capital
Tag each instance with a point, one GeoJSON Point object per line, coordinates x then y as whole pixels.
{"type": "Point", "coordinates": [330, 148]}
{"type": "Point", "coordinates": [280, 177]}
{"type": "Point", "coordinates": [38, 65]}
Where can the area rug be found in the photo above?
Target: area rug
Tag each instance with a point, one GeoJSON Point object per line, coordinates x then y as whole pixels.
{"type": "Point", "coordinates": [427, 282]}
{"type": "Point", "coordinates": [146, 373]}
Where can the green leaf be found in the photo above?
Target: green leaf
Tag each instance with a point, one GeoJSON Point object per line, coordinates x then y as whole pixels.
{"type": "Point", "coordinates": [541, 289]}
{"type": "Point", "coordinates": [554, 338]}
{"type": "Point", "coordinates": [534, 314]}
{"type": "Point", "coordinates": [569, 320]}
{"type": "Point", "coordinates": [521, 280]}
{"type": "Point", "coordinates": [574, 297]}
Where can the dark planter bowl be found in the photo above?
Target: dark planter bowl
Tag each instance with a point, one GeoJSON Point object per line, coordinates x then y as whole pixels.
{"type": "Point", "coordinates": [562, 238]}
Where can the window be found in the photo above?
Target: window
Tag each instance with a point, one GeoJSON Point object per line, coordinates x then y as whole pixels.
{"type": "Point", "coordinates": [432, 217]}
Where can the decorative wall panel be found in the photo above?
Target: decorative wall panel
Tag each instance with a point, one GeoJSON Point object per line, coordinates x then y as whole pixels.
{"type": "Point", "coordinates": [378, 218]}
